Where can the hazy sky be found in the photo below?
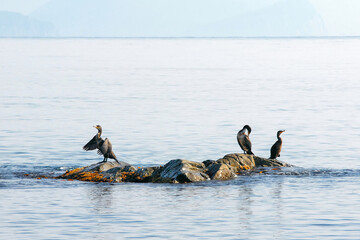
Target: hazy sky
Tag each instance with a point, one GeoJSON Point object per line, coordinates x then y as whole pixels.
{"type": "Point", "coordinates": [21, 6]}
{"type": "Point", "coordinates": [334, 8]}
{"type": "Point", "coordinates": [340, 16]}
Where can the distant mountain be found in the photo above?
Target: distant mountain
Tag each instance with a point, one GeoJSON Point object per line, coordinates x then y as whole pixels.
{"type": "Point", "coordinates": [185, 18]}
{"type": "Point", "coordinates": [17, 25]}
{"type": "Point", "coordinates": [166, 18]}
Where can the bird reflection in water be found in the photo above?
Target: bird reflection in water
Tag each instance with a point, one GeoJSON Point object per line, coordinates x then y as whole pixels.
{"type": "Point", "coordinates": [276, 196]}
{"type": "Point", "coordinates": [252, 197]}
{"type": "Point", "coordinates": [245, 207]}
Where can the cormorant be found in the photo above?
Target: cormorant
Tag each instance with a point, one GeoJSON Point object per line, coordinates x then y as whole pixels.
{"type": "Point", "coordinates": [276, 148]}
{"type": "Point", "coordinates": [104, 146]}
{"type": "Point", "coordinates": [244, 140]}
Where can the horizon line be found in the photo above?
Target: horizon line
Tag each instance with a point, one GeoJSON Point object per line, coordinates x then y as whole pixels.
{"type": "Point", "coordinates": [189, 37]}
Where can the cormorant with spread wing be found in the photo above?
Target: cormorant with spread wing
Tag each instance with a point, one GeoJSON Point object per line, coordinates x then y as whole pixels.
{"type": "Point", "coordinates": [104, 146]}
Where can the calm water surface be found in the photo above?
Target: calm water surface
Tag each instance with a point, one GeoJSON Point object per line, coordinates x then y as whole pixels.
{"type": "Point", "coordinates": [161, 99]}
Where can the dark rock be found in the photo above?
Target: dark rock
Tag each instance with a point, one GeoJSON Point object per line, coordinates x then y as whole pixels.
{"type": "Point", "coordinates": [208, 162]}
{"type": "Point", "coordinates": [139, 175]}
{"type": "Point", "coordinates": [183, 171]}
{"type": "Point", "coordinates": [265, 162]}
{"type": "Point", "coordinates": [238, 162]}
{"type": "Point", "coordinates": [220, 171]}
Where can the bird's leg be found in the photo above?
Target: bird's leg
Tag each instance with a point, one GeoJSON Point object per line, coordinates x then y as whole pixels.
{"type": "Point", "coordinates": [104, 159]}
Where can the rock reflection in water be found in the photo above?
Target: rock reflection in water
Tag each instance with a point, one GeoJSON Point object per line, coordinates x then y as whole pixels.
{"type": "Point", "coordinates": [101, 197]}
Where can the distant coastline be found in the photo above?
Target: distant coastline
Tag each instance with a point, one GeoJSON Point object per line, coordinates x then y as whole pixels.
{"type": "Point", "coordinates": [180, 19]}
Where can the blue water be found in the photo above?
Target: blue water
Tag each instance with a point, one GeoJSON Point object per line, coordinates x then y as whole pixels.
{"type": "Point", "coordinates": [161, 99]}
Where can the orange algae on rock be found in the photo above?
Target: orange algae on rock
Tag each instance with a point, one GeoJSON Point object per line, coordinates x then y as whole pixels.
{"type": "Point", "coordinates": [77, 174]}
{"type": "Point", "coordinates": [86, 176]}
{"type": "Point", "coordinates": [93, 177]}
{"type": "Point", "coordinates": [245, 167]}
{"type": "Point", "coordinates": [71, 172]}
{"type": "Point", "coordinates": [127, 176]}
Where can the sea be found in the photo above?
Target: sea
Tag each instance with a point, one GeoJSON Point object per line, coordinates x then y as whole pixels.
{"type": "Point", "coordinates": [162, 99]}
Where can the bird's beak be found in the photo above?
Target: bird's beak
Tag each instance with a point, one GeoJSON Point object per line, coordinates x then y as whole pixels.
{"type": "Point", "coordinates": [95, 127]}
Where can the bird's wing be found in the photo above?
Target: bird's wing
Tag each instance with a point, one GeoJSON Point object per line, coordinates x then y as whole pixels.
{"type": "Point", "coordinates": [273, 151]}
{"type": "Point", "coordinates": [238, 139]}
{"type": "Point", "coordinates": [91, 145]}
{"type": "Point", "coordinates": [247, 143]}
{"type": "Point", "coordinates": [104, 146]}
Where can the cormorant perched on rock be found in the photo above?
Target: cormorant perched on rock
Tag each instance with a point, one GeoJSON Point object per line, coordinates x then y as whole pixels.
{"type": "Point", "coordinates": [244, 140]}
{"type": "Point", "coordinates": [104, 146]}
{"type": "Point", "coordinates": [276, 148]}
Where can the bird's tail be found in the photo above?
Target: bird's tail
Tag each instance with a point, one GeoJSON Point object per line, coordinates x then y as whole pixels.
{"type": "Point", "coordinates": [113, 156]}
{"type": "Point", "coordinates": [250, 152]}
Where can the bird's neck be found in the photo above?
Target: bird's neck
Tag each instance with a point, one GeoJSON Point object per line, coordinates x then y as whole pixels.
{"type": "Point", "coordinates": [99, 133]}
{"type": "Point", "coordinates": [249, 131]}
{"type": "Point", "coordinates": [242, 132]}
{"type": "Point", "coordinates": [279, 138]}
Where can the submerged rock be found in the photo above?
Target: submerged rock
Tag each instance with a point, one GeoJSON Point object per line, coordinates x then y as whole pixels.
{"type": "Point", "coordinates": [175, 171]}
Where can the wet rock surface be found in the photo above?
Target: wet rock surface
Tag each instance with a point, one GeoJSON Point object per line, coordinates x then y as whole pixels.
{"type": "Point", "coordinates": [183, 171]}
{"type": "Point", "coordinates": [265, 162]}
{"type": "Point", "coordinates": [220, 171]}
{"type": "Point", "coordinates": [175, 171]}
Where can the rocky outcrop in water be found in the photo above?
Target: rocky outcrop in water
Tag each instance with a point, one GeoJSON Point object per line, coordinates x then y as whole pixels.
{"type": "Point", "coordinates": [175, 171]}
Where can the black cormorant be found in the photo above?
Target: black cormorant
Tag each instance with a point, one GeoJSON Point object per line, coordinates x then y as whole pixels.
{"type": "Point", "coordinates": [244, 140]}
{"type": "Point", "coordinates": [276, 148]}
{"type": "Point", "coordinates": [104, 146]}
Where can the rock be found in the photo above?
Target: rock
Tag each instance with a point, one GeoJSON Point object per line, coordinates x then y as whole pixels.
{"type": "Point", "coordinates": [116, 173]}
{"type": "Point", "coordinates": [175, 171]}
{"type": "Point", "coordinates": [104, 166]}
{"type": "Point", "coordinates": [148, 174]}
{"type": "Point", "coordinates": [97, 172]}
{"type": "Point", "coordinates": [238, 162]}
{"type": "Point", "coordinates": [231, 164]}
{"type": "Point", "coordinates": [208, 162]}
{"type": "Point", "coordinates": [183, 171]}
{"type": "Point", "coordinates": [220, 171]}
{"type": "Point", "coordinates": [132, 174]}
{"type": "Point", "coordinates": [265, 162]}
